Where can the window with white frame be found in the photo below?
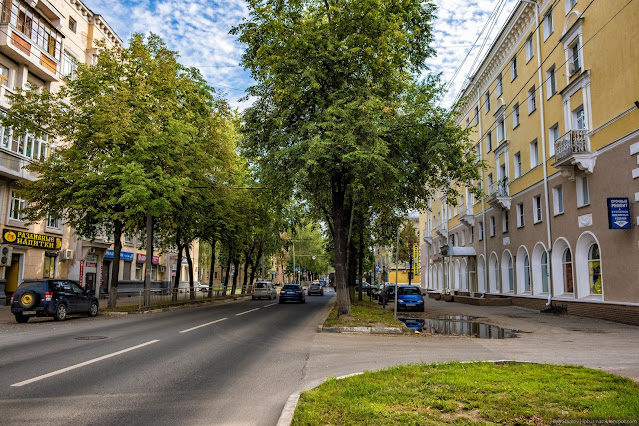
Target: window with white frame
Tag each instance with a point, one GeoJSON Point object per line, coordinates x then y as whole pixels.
{"type": "Point", "coordinates": [463, 238]}
{"type": "Point", "coordinates": [492, 226]}
{"type": "Point", "coordinates": [583, 197]}
{"type": "Point", "coordinates": [579, 118]}
{"type": "Point", "coordinates": [490, 180]}
{"type": "Point", "coordinates": [570, 4]}
{"type": "Point", "coordinates": [73, 26]}
{"type": "Point", "coordinates": [487, 101]}
{"type": "Point", "coordinates": [553, 136]}
{"type": "Point", "coordinates": [471, 234]}
{"type": "Point", "coordinates": [476, 119]}
{"type": "Point", "coordinates": [574, 63]}
{"type": "Point", "coordinates": [548, 24]}
{"type": "Point", "coordinates": [516, 115]}
{"type": "Point", "coordinates": [511, 275]}
{"type": "Point", "coordinates": [513, 68]}
{"type": "Point", "coordinates": [4, 76]}
{"type": "Point", "coordinates": [504, 221]}
{"type": "Point", "coordinates": [532, 100]}
{"type": "Point", "coordinates": [558, 200]}
{"type": "Point", "coordinates": [537, 208]}
{"type": "Point", "coordinates": [594, 270]}
{"type": "Point", "coordinates": [501, 129]}
{"type": "Point", "coordinates": [499, 90]}
{"type": "Point", "coordinates": [478, 152]}
{"type": "Point", "coordinates": [16, 205]}
{"type": "Point", "coordinates": [481, 230]}
{"type": "Point", "coordinates": [520, 215]}
{"type": "Point", "coordinates": [128, 238]}
{"type": "Point", "coordinates": [517, 161]}
{"type": "Point", "coordinates": [534, 156]}
{"type": "Point", "coordinates": [544, 272]}
{"type": "Point", "coordinates": [68, 65]}
{"type": "Point", "coordinates": [530, 52]}
{"type": "Point", "coordinates": [526, 273]}
{"type": "Point", "coordinates": [551, 82]}
{"type": "Point", "coordinates": [489, 141]}
{"type": "Point", "coordinates": [53, 222]}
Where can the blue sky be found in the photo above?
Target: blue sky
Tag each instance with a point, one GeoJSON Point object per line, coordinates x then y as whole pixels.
{"type": "Point", "coordinates": [199, 31]}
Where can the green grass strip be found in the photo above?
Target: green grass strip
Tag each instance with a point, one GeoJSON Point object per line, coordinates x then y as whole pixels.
{"type": "Point", "coordinates": [364, 314]}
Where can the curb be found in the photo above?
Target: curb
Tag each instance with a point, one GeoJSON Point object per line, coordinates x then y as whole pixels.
{"type": "Point", "coordinates": [172, 308]}
{"type": "Point", "coordinates": [361, 330]}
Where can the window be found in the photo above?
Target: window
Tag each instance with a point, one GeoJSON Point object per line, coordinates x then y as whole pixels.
{"type": "Point", "coordinates": [548, 25]}
{"type": "Point", "coordinates": [501, 129]}
{"type": "Point", "coordinates": [17, 204]}
{"type": "Point", "coordinates": [553, 136]}
{"type": "Point", "coordinates": [529, 48]}
{"type": "Point", "coordinates": [489, 141]}
{"type": "Point", "coordinates": [4, 75]}
{"type": "Point", "coordinates": [520, 215]}
{"type": "Point", "coordinates": [551, 82]}
{"type": "Point", "coordinates": [73, 25]}
{"type": "Point", "coordinates": [579, 119]}
{"type": "Point", "coordinates": [471, 234]}
{"type": "Point", "coordinates": [48, 270]}
{"type": "Point", "coordinates": [487, 101]}
{"type": "Point", "coordinates": [53, 222]}
{"type": "Point", "coordinates": [492, 226]}
{"type": "Point", "coordinates": [490, 180]}
{"type": "Point", "coordinates": [558, 200]}
{"type": "Point", "coordinates": [516, 115]}
{"type": "Point", "coordinates": [128, 238]}
{"type": "Point", "coordinates": [537, 209]}
{"type": "Point", "coordinates": [126, 271]}
{"type": "Point", "coordinates": [517, 161]}
{"type": "Point", "coordinates": [583, 198]}
{"type": "Point", "coordinates": [33, 26]}
{"type": "Point", "coordinates": [511, 275]}
{"type": "Point", "coordinates": [476, 115]}
{"type": "Point", "coordinates": [68, 65]}
{"type": "Point", "coordinates": [477, 152]}
{"type": "Point", "coordinates": [544, 272]}
{"type": "Point", "coordinates": [138, 271]}
{"type": "Point", "coordinates": [513, 68]}
{"type": "Point", "coordinates": [504, 221]}
{"type": "Point", "coordinates": [526, 274]}
{"type": "Point", "coordinates": [566, 263]}
{"type": "Point", "coordinates": [594, 270]}
{"type": "Point", "coordinates": [467, 122]}
{"type": "Point", "coordinates": [481, 231]}
{"type": "Point", "coordinates": [574, 64]}
{"type": "Point", "coordinates": [570, 4]}
{"type": "Point", "coordinates": [532, 100]}
{"type": "Point", "coordinates": [500, 86]}
{"type": "Point", "coordinates": [534, 157]}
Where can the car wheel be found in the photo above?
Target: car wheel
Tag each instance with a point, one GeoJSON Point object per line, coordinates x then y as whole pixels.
{"type": "Point", "coordinates": [423, 309]}
{"type": "Point", "coordinates": [281, 301]}
{"type": "Point", "coordinates": [29, 299]}
{"type": "Point", "coordinates": [252, 297]}
{"type": "Point", "coordinates": [303, 301]}
{"type": "Point", "coordinates": [21, 318]}
{"type": "Point", "coordinates": [93, 309]}
{"type": "Point", "coordinates": [60, 312]}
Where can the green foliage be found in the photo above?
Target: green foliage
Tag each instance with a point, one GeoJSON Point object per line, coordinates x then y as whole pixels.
{"type": "Point", "coordinates": [308, 242]}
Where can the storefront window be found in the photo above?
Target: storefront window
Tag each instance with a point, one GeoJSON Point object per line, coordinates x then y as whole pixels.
{"type": "Point", "coordinates": [526, 274]}
{"type": "Point", "coordinates": [126, 275]}
{"type": "Point", "coordinates": [154, 272]}
{"type": "Point", "coordinates": [594, 270]}
{"type": "Point", "coordinates": [544, 272]}
{"type": "Point", "coordinates": [567, 267]}
{"type": "Point", "coordinates": [511, 277]}
{"type": "Point", "coordinates": [138, 271]}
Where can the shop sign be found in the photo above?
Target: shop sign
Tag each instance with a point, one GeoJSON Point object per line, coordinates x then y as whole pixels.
{"type": "Point", "coordinates": [124, 255]}
{"type": "Point", "coordinates": [91, 267]}
{"type": "Point", "coordinates": [29, 239]}
{"type": "Point", "coordinates": [92, 258]}
{"type": "Point", "coordinates": [141, 258]}
{"type": "Point", "coordinates": [618, 213]}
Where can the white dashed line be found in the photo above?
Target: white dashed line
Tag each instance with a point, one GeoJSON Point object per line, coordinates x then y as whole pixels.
{"type": "Point", "coordinates": [202, 325]}
{"type": "Point", "coordinates": [272, 304]}
{"type": "Point", "coordinates": [82, 364]}
{"type": "Point", "coordinates": [246, 312]}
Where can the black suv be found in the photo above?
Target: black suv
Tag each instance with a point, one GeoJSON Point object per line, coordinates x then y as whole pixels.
{"type": "Point", "coordinates": [52, 298]}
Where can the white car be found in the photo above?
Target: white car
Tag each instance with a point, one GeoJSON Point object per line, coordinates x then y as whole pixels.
{"type": "Point", "coordinates": [185, 286]}
{"type": "Point", "coordinates": [263, 289]}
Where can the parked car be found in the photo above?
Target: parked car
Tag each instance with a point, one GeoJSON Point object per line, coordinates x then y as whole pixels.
{"type": "Point", "coordinates": [185, 286]}
{"type": "Point", "coordinates": [52, 298]}
{"type": "Point", "coordinates": [387, 294]}
{"type": "Point", "coordinates": [293, 292]}
{"type": "Point", "coordinates": [263, 289]}
{"type": "Point", "coordinates": [315, 288]}
{"type": "Point", "coordinates": [409, 297]}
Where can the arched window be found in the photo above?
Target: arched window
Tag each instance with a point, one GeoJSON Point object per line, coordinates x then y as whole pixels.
{"type": "Point", "coordinates": [544, 272]}
{"type": "Point", "coordinates": [526, 274]}
{"type": "Point", "coordinates": [511, 275]}
{"type": "Point", "coordinates": [594, 269]}
{"type": "Point", "coordinates": [567, 269]}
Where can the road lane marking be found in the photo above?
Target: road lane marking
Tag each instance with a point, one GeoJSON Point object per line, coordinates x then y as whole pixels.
{"type": "Point", "coordinates": [272, 304]}
{"type": "Point", "coordinates": [82, 364]}
{"type": "Point", "coordinates": [202, 325]}
{"type": "Point", "coordinates": [246, 312]}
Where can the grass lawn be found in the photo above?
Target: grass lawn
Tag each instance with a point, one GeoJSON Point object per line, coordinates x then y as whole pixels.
{"type": "Point", "coordinates": [364, 314]}
{"type": "Point", "coordinates": [471, 393]}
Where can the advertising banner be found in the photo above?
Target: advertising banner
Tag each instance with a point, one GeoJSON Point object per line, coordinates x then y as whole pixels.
{"type": "Point", "coordinates": [23, 238]}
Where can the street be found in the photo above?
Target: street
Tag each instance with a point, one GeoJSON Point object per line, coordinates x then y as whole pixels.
{"type": "Point", "coordinates": [224, 364]}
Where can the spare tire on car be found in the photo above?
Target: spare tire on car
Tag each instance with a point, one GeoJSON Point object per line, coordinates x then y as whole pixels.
{"type": "Point", "coordinates": [29, 299]}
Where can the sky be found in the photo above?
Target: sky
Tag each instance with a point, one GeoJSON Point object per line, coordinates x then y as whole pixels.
{"type": "Point", "coordinates": [199, 31]}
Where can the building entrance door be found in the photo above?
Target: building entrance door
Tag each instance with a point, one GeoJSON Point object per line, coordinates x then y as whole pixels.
{"type": "Point", "coordinates": [12, 275]}
{"type": "Point", "coordinates": [90, 283]}
{"type": "Point", "coordinates": [106, 277]}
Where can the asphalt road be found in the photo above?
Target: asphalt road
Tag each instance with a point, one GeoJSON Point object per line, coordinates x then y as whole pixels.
{"type": "Point", "coordinates": [223, 364]}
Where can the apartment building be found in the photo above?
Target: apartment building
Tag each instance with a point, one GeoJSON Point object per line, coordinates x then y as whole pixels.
{"type": "Point", "coordinates": [554, 113]}
{"type": "Point", "coordinates": [40, 43]}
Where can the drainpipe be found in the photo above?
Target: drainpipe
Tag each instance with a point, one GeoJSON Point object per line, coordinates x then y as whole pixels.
{"type": "Point", "coordinates": [543, 144]}
{"type": "Point", "coordinates": [483, 206]}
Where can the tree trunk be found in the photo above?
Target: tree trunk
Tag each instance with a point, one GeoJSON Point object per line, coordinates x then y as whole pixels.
{"type": "Point", "coordinates": [228, 274]}
{"type": "Point", "coordinates": [257, 262]}
{"type": "Point", "coordinates": [236, 266]}
{"type": "Point", "coordinates": [212, 271]}
{"type": "Point", "coordinates": [360, 252]}
{"type": "Point", "coordinates": [178, 269]}
{"type": "Point", "coordinates": [115, 268]}
{"type": "Point", "coordinates": [247, 264]}
{"type": "Point", "coordinates": [340, 225]}
{"type": "Point", "coordinates": [190, 263]}
{"type": "Point", "coordinates": [352, 270]}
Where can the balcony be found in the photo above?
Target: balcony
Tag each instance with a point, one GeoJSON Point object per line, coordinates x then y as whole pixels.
{"type": "Point", "coordinates": [498, 194]}
{"type": "Point", "coordinates": [466, 216]}
{"type": "Point", "coordinates": [5, 92]}
{"type": "Point", "coordinates": [441, 228]}
{"type": "Point", "coordinates": [12, 166]}
{"type": "Point", "coordinates": [572, 149]}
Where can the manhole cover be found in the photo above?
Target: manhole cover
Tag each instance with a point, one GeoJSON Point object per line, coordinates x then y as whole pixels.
{"type": "Point", "coordinates": [91, 338]}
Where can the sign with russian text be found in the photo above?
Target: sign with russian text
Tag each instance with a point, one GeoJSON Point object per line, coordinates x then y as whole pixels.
{"type": "Point", "coordinates": [124, 255]}
{"type": "Point", "coordinates": [618, 213]}
{"type": "Point", "coordinates": [23, 238]}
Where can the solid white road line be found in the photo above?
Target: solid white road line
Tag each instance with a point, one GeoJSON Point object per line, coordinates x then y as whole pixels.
{"type": "Point", "coordinates": [202, 325]}
{"type": "Point", "coordinates": [82, 364]}
{"type": "Point", "coordinates": [272, 304]}
{"type": "Point", "coordinates": [246, 312]}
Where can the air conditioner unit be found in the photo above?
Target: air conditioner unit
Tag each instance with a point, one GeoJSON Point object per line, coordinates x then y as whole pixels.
{"type": "Point", "coordinates": [67, 254]}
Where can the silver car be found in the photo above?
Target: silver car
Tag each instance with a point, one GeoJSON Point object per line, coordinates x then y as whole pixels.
{"type": "Point", "coordinates": [264, 289]}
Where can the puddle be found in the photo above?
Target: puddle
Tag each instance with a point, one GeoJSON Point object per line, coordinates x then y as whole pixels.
{"type": "Point", "coordinates": [459, 326]}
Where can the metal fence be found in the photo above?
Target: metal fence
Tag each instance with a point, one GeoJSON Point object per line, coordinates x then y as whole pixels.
{"type": "Point", "coordinates": [167, 297]}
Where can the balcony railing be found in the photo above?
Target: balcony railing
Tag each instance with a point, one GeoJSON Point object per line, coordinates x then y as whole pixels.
{"type": "Point", "coordinates": [499, 188]}
{"type": "Point", "coordinates": [573, 142]}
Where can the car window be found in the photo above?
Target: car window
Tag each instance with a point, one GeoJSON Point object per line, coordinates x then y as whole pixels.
{"type": "Point", "coordinates": [412, 291]}
{"type": "Point", "coordinates": [63, 286]}
{"type": "Point", "coordinates": [260, 285]}
{"type": "Point", "coordinates": [77, 289]}
{"type": "Point", "coordinates": [291, 287]}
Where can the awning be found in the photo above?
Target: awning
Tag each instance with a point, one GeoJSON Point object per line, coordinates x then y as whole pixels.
{"type": "Point", "coordinates": [453, 251]}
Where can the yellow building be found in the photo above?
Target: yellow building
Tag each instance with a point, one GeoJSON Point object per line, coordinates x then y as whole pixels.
{"type": "Point", "coordinates": [554, 114]}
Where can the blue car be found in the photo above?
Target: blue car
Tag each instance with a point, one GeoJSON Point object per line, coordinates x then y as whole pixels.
{"type": "Point", "coordinates": [293, 292]}
{"type": "Point", "coordinates": [409, 298]}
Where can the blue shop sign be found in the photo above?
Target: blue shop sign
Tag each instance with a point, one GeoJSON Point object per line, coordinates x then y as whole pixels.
{"type": "Point", "coordinates": [123, 255]}
{"type": "Point", "coordinates": [618, 213]}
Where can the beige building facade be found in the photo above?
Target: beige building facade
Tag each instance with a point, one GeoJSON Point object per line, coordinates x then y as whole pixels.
{"type": "Point", "coordinates": [554, 114]}
{"type": "Point", "coordinates": [40, 43]}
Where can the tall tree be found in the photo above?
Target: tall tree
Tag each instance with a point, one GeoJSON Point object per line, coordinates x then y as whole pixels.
{"type": "Point", "coordinates": [340, 117]}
